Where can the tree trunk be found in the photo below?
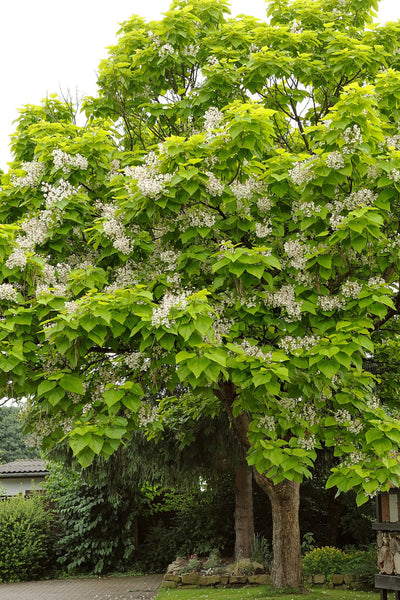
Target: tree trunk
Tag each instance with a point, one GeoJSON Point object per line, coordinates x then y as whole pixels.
{"type": "Point", "coordinates": [287, 570]}
{"type": "Point", "coordinates": [244, 519]}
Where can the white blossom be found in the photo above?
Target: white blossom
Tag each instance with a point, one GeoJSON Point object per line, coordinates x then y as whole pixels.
{"type": "Point", "coordinates": [161, 313]}
{"type": "Point", "coordinates": [8, 292]}
{"type": "Point", "coordinates": [264, 204]}
{"type": "Point", "coordinates": [263, 230]}
{"type": "Point", "coordinates": [290, 343]}
{"type": "Point", "coordinates": [255, 351]}
{"type": "Point", "coordinates": [34, 171]}
{"type": "Point", "coordinates": [212, 118]}
{"type": "Point", "coordinates": [285, 298]}
{"type": "Point", "coordinates": [302, 173]}
{"type": "Point", "coordinates": [335, 160]}
{"type": "Point", "coordinates": [296, 251]}
{"type": "Point", "coordinates": [352, 137]}
{"type": "Point", "coordinates": [214, 186]}
{"type": "Point", "coordinates": [267, 422]}
{"type": "Point", "coordinates": [66, 162]}
{"type": "Point", "coordinates": [166, 50]}
{"type": "Point", "coordinates": [328, 303]}
{"type": "Point", "coordinates": [351, 289]}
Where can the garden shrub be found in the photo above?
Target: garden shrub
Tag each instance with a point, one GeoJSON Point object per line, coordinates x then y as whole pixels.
{"type": "Point", "coordinates": [26, 538]}
{"type": "Point", "coordinates": [328, 561]}
{"type": "Point", "coordinates": [325, 561]}
{"type": "Point", "coordinates": [97, 527]}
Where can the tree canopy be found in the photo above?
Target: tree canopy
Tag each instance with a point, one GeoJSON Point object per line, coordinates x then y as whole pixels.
{"type": "Point", "coordinates": [222, 234]}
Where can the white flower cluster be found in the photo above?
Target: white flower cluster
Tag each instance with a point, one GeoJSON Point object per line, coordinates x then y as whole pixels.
{"type": "Point", "coordinates": [212, 60]}
{"type": "Point", "coordinates": [354, 458]}
{"type": "Point", "coordinates": [66, 162]}
{"type": "Point", "coordinates": [54, 194]}
{"type": "Point", "coordinates": [394, 174]}
{"type": "Point", "coordinates": [393, 141]}
{"type": "Point", "coordinates": [214, 186]}
{"type": "Point", "coordinates": [166, 50]}
{"type": "Point", "coordinates": [306, 208]}
{"type": "Point", "coordinates": [308, 443]}
{"type": "Point", "coordinates": [308, 413]}
{"type": "Point", "coordinates": [201, 218]}
{"type": "Point", "coordinates": [355, 426]}
{"type": "Point", "coordinates": [342, 416]}
{"type": "Point", "coordinates": [136, 361]}
{"type": "Point", "coordinates": [222, 328]}
{"type": "Point", "coordinates": [296, 251]}
{"type": "Point", "coordinates": [35, 231]}
{"type": "Point", "coordinates": [246, 190]}
{"type": "Point", "coordinates": [125, 276]}
{"type": "Point", "coordinates": [191, 50]}
{"type": "Point", "coordinates": [212, 119]}
{"type": "Point", "coordinates": [264, 204]}
{"type": "Point", "coordinates": [291, 344]}
{"type": "Point", "coordinates": [51, 282]}
{"type": "Point", "coordinates": [8, 292]}
{"type": "Point", "coordinates": [288, 404]}
{"type": "Point", "coordinates": [362, 197]}
{"type": "Point", "coordinates": [147, 414]}
{"type": "Point", "coordinates": [302, 172]}
{"type": "Point", "coordinates": [351, 289]}
{"type": "Point", "coordinates": [335, 160]}
{"type": "Point", "coordinates": [296, 27]}
{"type": "Point", "coordinates": [34, 171]}
{"type": "Point", "coordinates": [114, 168]}
{"type": "Point", "coordinates": [373, 403]}
{"type": "Point", "coordinates": [150, 181]}
{"type": "Point", "coordinates": [328, 303]}
{"type": "Point", "coordinates": [262, 230]}
{"type": "Point", "coordinates": [286, 298]}
{"type": "Point", "coordinates": [71, 307]}
{"type": "Point", "coordinates": [253, 48]}
{"type": "Point", "coordinates": [376, 281]}
{"type": "Point", "coordinates": [162, 311]}
{"type": "Point", "coordinates": [352, 137]}
{"type": "Point", "coordinates": [114, 229]}
{"type": "Point", "coordinates": [255, 351]}
{"type": "Point", "coordinates": [170, 259]}
{"type": "Point", "coordinates": [267, 422]}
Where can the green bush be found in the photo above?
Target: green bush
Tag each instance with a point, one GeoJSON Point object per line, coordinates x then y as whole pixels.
{"type": "Point", "coordinates": [363, 566]}
{"type": "Point", "coordinates": [325, 561]}
{"type": "Point", "coordinates": [25, 538]}
{"type": "Point", "coordinates": [97, 528]}
{"type": "Point", "coordinates": [328, 561]}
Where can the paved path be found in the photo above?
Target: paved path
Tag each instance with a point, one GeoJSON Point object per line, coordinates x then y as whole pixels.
{"type": "Point", "coordinates": [105, 588]}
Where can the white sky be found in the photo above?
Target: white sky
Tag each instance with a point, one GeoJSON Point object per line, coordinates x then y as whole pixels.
{"type": "Point", "coordinates": [47, 45]}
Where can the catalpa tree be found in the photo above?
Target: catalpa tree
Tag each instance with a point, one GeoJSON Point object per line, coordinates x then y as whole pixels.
{"type": "Point", "coordinates": [222, 235]}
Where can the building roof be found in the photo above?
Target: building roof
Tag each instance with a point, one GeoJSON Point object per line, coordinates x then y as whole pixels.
{"type": "Point", "coordinates": [27, 466]}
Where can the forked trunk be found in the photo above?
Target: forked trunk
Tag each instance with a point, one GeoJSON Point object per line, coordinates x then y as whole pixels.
{"type": "Point", "coordinates": [244, 520]}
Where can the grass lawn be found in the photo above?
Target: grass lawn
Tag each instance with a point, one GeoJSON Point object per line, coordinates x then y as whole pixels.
{"type": "Point", "coordinates": [264, 592]}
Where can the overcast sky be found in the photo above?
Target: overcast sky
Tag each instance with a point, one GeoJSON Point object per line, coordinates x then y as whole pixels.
{"type": "Point", "coordinates": [47, 45]}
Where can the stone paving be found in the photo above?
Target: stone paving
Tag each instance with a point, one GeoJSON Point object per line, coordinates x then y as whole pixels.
{"type": "Point", "coordinates": [105, 588]}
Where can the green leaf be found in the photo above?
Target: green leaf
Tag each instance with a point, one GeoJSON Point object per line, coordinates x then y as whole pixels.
{"type": "Point", "coordinates": [71, 383]}
{"type": "Point", "coordinates": [46, 386]}
{"type": "Point", "coordinates": [112, 396]}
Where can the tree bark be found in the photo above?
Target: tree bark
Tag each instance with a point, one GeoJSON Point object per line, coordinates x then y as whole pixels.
{"type": "Point", "coordinates": [244, 517]}
{"type": "Point", "coordinates": [287, 568]}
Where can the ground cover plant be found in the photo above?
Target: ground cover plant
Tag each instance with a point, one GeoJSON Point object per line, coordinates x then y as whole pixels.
{"type": "Point", "coordinates": [261, 593]}
{"type": "Point", "coordinates": [221, 236]}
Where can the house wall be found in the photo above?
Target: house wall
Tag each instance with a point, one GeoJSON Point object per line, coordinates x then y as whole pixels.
{"type": "Point", "coordinates": [11, 486]}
